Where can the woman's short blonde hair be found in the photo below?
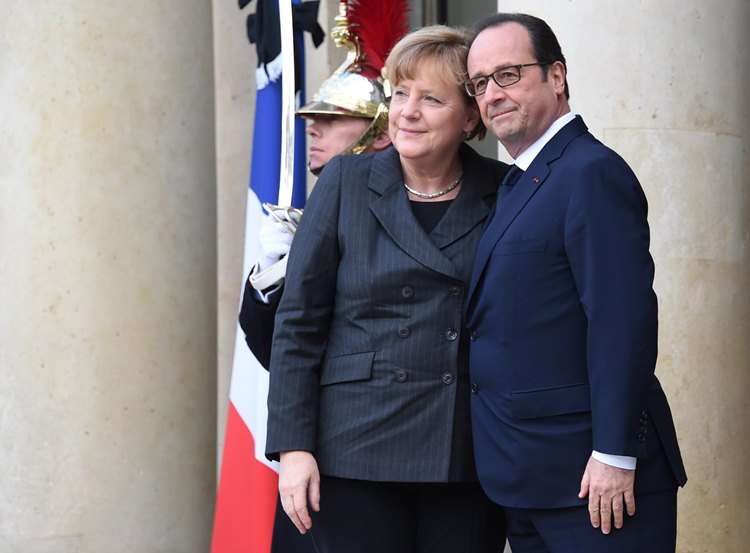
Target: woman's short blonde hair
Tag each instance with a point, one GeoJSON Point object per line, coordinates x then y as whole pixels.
{"type": "Point", "coordinates": [445, 46]}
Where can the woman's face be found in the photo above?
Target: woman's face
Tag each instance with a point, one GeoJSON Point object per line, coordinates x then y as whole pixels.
{"type": "Point", "coordinates": [429, 115]}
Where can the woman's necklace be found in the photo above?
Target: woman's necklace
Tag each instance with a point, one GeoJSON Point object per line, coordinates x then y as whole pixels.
{"type": "Point", "coordinates": [429, 196]}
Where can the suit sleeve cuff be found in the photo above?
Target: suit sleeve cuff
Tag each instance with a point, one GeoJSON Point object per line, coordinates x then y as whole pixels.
{"type": "Point", "coordinates": [619, 461]}
{"type": "Point", "coordinates": [266, 295]}
{"type": "Point", "coordinates": [263, 296]}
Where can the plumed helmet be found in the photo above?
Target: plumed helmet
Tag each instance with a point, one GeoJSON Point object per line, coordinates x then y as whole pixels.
{"type": "Point", "coordinates": [368, 29]}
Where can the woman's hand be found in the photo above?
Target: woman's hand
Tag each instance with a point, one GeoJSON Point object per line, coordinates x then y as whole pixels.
{"type": "Point", "coordinates": [299, 481]}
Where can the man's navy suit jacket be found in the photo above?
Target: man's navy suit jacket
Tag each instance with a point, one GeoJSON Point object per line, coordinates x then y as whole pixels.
{"type": "Point", "coordinates": [564, 321]}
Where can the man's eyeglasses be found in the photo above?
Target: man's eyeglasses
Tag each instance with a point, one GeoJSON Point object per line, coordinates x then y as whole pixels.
{"type": "Point", "coordinates": [505, 76]}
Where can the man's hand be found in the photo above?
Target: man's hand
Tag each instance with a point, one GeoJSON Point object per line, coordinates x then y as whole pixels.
{"type": "Point", "coordinates": [608, 488]}
{"type": "Point", "coordinates": [299, 481]}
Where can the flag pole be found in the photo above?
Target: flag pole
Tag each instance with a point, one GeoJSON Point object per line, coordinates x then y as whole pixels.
{"type": "Point", "coordinates": [283, 212]}
{"type": "Point", "coordinates": [286, 172]}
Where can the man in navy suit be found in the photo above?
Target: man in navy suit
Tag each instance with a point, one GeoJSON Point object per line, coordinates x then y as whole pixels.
{"type": "Point", "coordinates": [571, 427]}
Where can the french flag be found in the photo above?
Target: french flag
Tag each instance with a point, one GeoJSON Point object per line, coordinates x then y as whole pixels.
{"type": "Point", "coordinates": [247, 492]}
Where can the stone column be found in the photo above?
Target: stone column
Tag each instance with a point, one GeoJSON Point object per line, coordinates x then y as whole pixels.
{"type": "Point", "coordinates": [664, 84]}
{"type": "Point", "coordinates": [107, 265]}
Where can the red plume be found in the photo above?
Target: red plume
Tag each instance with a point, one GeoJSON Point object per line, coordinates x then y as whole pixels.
{"type": "Point", "coordinates": [379, 24]}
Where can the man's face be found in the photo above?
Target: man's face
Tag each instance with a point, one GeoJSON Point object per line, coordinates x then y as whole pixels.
{"type": "Point", "coordinates": [520, 113]}
{"type": "Point", "coordinates": [332, 134]}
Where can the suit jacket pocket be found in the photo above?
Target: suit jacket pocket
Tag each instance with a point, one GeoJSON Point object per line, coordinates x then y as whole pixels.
{"type": "Point", "coordinates": [347, 368]}
{"type": "Point", "coordinates": [520, 246]}
{"type": "Point", "coordinates": [550, 402]}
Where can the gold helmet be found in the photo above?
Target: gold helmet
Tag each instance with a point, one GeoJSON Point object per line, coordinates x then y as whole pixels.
{"type": "Point", "coordinates": [368, 29]}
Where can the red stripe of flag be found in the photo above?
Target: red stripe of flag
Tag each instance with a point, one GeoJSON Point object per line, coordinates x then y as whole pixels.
{"type": "Point", "coordinates": [246, 498]}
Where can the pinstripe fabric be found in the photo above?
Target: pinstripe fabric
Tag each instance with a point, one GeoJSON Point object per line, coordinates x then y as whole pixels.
{"type": "Point", "coordinates": [365, 364]}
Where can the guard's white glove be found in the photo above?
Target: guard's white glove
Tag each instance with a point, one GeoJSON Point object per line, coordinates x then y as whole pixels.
{"type": "Point", "coordinates": [275, 241]}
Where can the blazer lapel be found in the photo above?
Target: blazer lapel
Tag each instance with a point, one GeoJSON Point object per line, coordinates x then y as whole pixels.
{"type": "Point", "coordinates": [470, 207]}
{"type": "Point", "coordinates": [511, 205]}
{"type": "Point", "coordinates": [391, 208]}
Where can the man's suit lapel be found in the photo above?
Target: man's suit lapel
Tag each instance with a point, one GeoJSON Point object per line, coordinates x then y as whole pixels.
{"type": "Point", "coordinates": [510, 205]}
{"type": "Point", "coordinates": [390, 205]}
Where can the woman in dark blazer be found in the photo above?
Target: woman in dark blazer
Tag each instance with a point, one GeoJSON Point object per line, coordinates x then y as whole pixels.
{"type": "Point", "coordinates": [369, 390]}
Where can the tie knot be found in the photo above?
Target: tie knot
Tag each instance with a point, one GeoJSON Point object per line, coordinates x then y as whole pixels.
{"type": "Point", "coordinates": [512, 176]}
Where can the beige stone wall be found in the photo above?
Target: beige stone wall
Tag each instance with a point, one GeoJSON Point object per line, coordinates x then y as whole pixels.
{"type": "Point", "coordinates": [107, 264]}
{"type": "Point", "coordinates": [663, 83]}
{"type": "Point", "coordinates": [234, 73]}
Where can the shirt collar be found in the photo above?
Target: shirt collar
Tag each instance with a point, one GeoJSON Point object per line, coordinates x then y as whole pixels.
{"type": "Point", "coordinates": [527, 156]}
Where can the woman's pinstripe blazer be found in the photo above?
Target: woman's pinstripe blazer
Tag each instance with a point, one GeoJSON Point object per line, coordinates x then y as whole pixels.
{"type": "Point", "coordinates": [367, 358]}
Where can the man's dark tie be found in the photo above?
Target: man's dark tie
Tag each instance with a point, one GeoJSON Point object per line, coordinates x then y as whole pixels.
{"type": "Point", "coordinates": [512, 176]}
{"type": "Point", "coordinates": [506, 186]}
{"type": "Point", "coordinates": [510, 179]}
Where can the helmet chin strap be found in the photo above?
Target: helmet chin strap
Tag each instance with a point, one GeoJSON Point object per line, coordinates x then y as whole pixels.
{"type": "Point", "coordinates": [378, 126]}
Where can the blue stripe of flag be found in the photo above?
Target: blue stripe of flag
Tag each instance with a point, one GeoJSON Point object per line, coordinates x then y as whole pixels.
{"type": "Point", "coordinates": [266, 156]}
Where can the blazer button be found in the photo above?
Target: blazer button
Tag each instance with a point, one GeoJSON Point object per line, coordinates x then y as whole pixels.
{"type": "Point", "coordinates": [641, 437]}
{"type": "Point", "coordinates": [474, 387]}
{"type": "Point", "coordinates": [400, 375]}
{"type": "Point", "coordinates": [407, 292]}
{"type": "Point", "coordinates": [447, 379]}
{"type": "Point", "coordinates": [454, 291]}
{"type": "Point", "coordinates": [404, 332]}
{"type": "Point", "coordinates": [473, 336]}
{"type": "Point", "coordinates": [451, 334]}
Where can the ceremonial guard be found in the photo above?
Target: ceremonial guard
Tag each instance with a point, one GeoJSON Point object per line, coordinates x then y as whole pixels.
{"type": "Point", "coordinates": [348, 115]}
